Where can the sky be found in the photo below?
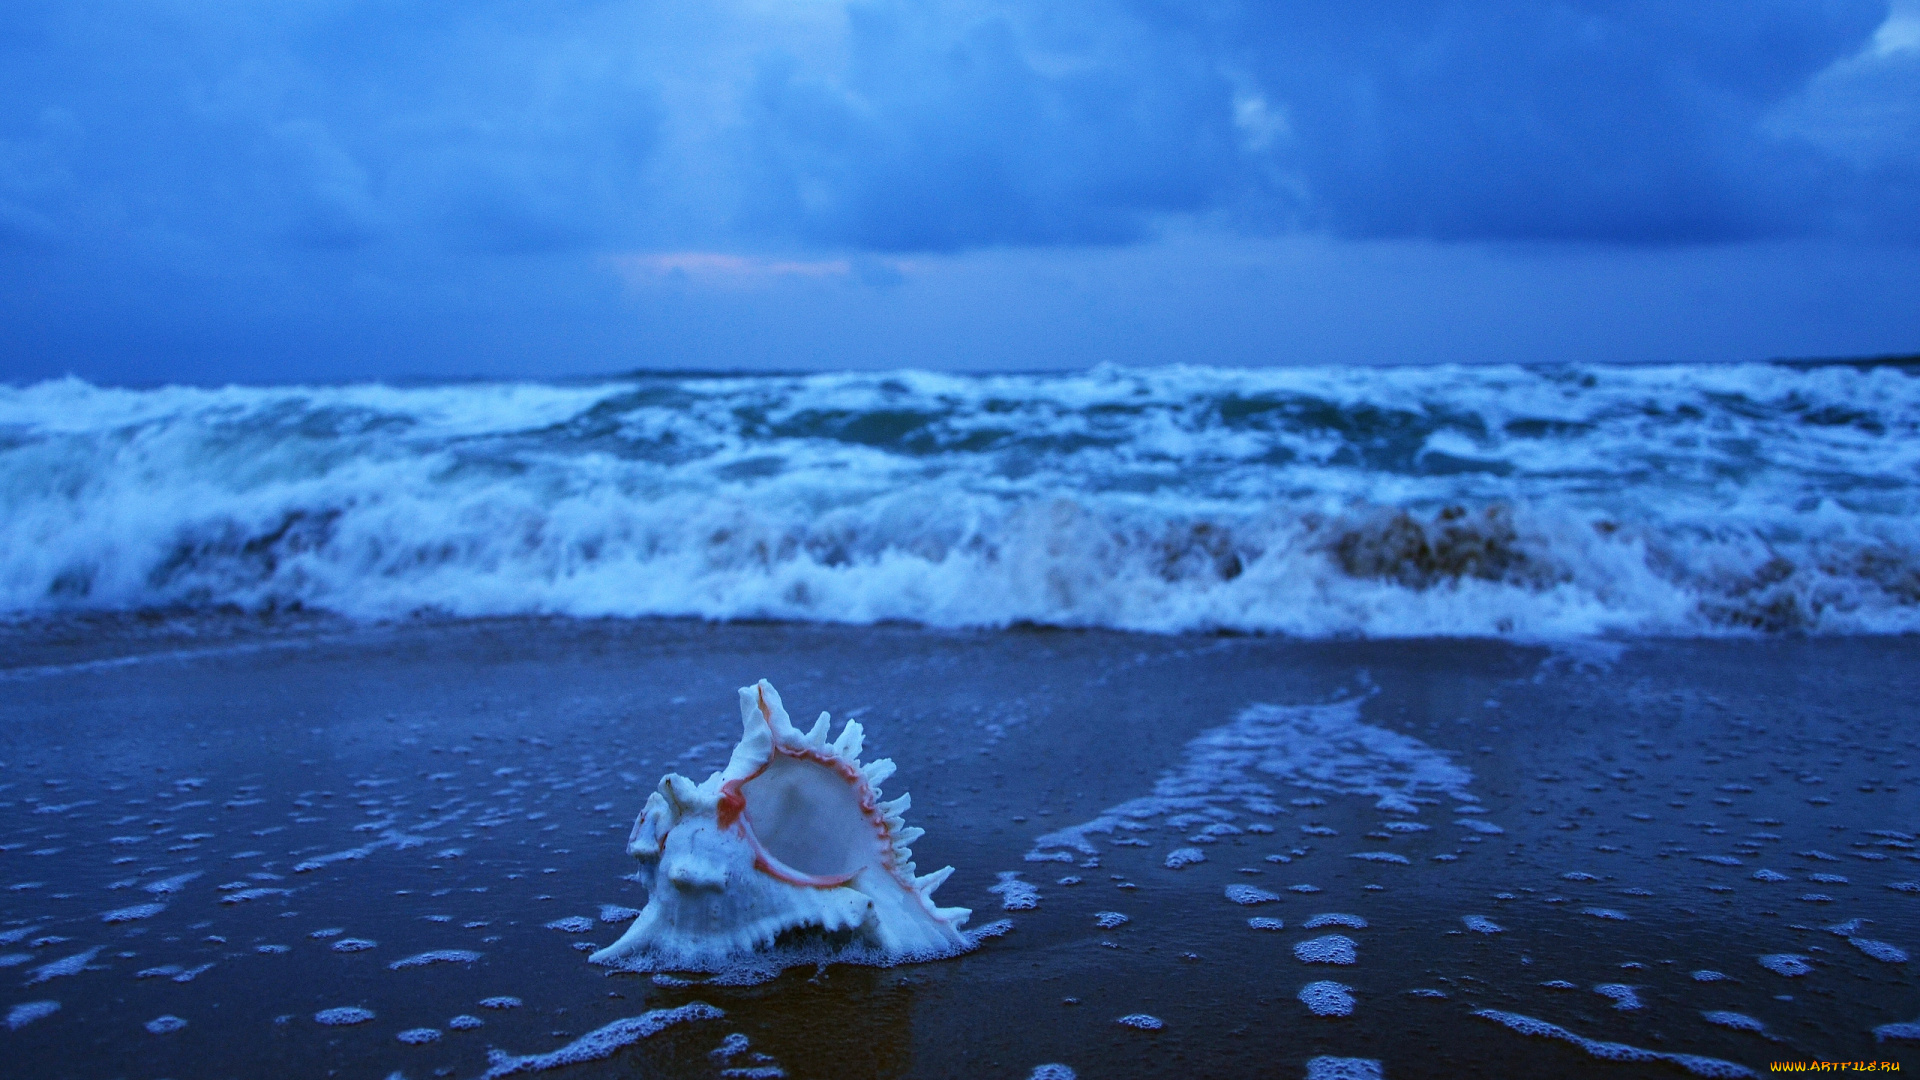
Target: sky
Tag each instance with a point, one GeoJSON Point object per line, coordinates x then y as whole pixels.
{"type": "Point", "coordinates": [209, 190]}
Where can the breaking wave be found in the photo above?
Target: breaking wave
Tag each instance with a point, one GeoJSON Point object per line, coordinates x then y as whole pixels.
{"type": "Point", "coordinates": [1531, 502]}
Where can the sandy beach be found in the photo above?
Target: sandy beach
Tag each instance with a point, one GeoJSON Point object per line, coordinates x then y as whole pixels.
{"type": "Point", "coordinates": [1702, 851]}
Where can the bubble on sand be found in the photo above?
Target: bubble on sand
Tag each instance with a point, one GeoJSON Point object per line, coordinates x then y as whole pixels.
{"type": "Point", "coordinates": [1107, 920]}
{"type": "Point", "coordinates": [1324, 747]}
{"type": "Point", "coordinates": [160, 1025]}
{"type": "Point", "coordinates": [1904, 886]}
{"type": "Point", "coordinates": [1788, 964]}
{"type": "Point", "coordinates": [437, 956]}
{"type": "Point", "coordinates": [1713, 1068]}
{"type": "Point", "coordinates": [1051, 1072]}
{"type": "Point", "coordinates": [1605, 913]}
{"type": "Point", "coordinates": [1327, 998]}
{"type": "Point", "coordinates": [1880, 950]}
{"type": "Point", "coordinates": [1623, 996]}
{"type": "Point", "coordinates": [1704, 975]}
{"type": "Point", "coordinates": [1339, 1068]}
{"type": "Point", "coordinates": [1719, 860]}
{"type": "Point", "coordinates": [174, 884]}
{"type": "Point", "coordinates": [572, 924]}
{"type": "Point", "coordinates": [1015, 895]}
{"type": "Point", "coordinates": [72, 965]}
{"type": "Point", "coordinates": [353, 944]}
{"type": "Point", "coordinates": [1829, 879]}
{"type": "Point", "coordinates": [1353, 922]}
{"type": "Point", "coordinates": [331, 931]}
{"type": "Point", "coordinates": [419, 1036]}
{"type": "Point", "coordinates": [1249, 894]}
{"type": "Point", "coordinates": [1480, 924]}
{"type": "Point", "coordinates": [600, 1043]}
{"type": "Point", "coordinates": [1426, 992]}
{"type": "Point", "coordinates": [1303, 888]}
{"type": "Point", "coordinates": [1816, 898]}
{"type": "Point", "coordinates": [1734, 1020]}
{"type": "Point", "coordinates": [1142, 1022]}
{"type": "Point", "coordinates": [1577, 875]}
{"type": "Point", "coordinates": [1486, 828]}
{"type": "Point", "coordinates": [614, 913]}
{"type": "Point", "coordinates": [1379, 857]}
{"type": "Point", "coordinates": [500, 1003]}
{"type": "Point", "coordinates": [464, 1022]}
{"type": "Point", "coordinates": [1185, 856]}
{"type": "Point", "coordinates": [345, 1016]}
{"type": "Point", "coordinates": [1331, 949]}
{"type": "Point", "coordinates": [1559, 984]}
{"type": "Point", "coordinates": [1904, 1031]}
{"type": "Point", "coordinates": [27, 1012]}
{"type": "Point", "coordinates": [130, 914]}
{"type": "Point", "coordinates": [1259, 922]}
{"type": "Point", "coordinates": [1770, 875]}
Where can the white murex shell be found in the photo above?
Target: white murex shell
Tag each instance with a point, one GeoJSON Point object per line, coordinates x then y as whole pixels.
{"type": "Point", "coordinates": [790, 837]}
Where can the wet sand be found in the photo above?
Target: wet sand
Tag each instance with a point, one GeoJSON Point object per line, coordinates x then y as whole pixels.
{"type": "Point", "coordinates": [255, 797]}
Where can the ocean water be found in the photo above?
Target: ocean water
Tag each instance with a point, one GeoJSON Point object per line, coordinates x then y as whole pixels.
{"type": "Point", "coordinates": [1535, 503]}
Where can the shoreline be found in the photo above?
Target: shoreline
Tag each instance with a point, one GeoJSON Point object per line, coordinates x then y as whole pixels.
{"type": "Point", "coordinates": [502, 738]}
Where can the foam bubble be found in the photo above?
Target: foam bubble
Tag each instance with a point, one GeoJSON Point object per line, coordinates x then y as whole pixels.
{"type": "Point", "coordinates": [344, 1016]}
{"type": "Point", "coordinates": [1141, 1021]}
{"type": "Point", "coordinates": [1354, 922]}
{"type": "Point", "coordinates": [1880, 950]}
{"type": "Point", "coordinates": [1705, 975]}
{"type": "Point", "coordinates": [436, 956]}
{"type": "Point", "coordinates": [1790, 965]}
{"type": "Point", "coordinates": [1605, 913]}
{"type": "Point", "coordinates": [1249, 894]}
{"type": "Point", "coordinates": [72, 965]}
{"type": "Point", "coordinates": [1108, 920]}
{"type": "Point", "coordinates": [161, 1025]}
{"type": "Point", "coordinates": [419, 1036]}
{"type": "Point", "coordinates": [1262, 923]}
{"type": "Point", "coordinates": [1330, 949]}
{"type": "Point", "coordinates": [1769, 875]}
{"type": "Point", "coordinates": [1327, 998]}
{"type": "Point", "coordinates": [1051, 1072]}
{"type": "Point", "coordinates": [1906, 1030]}
{"type": "Point", "coordinates": [1015, 895]}
{"type": "Point", "coordinates": [353, 944]}
{"type": "Point", "coordinates": [1713, 1068]}
{"type": "Point", "coordinates": [1379, 857]}
{"type": "Point", "coordinates": [1480, 924]}
{"type": "Point", "coordinates": [1343, 1068]}
{"type": "Point", "coordinates": [1623, 996]}
{"type": "Point", "coordinates": [1236, 765]}
{"type": "Point", "coordinates": [600, 1043]}
{"type": "Point", "coordinates": [27, 1012]}
{"type": "Point", "coordinates": [131, 914]}
{"type": "Point", "coordinates": [614, 913]}
{"type": "Point", "coordinates": [1734, 1020]}
{"type": "Point", "coordinates": [572, 924]}
{"type": "Point", "coordinates": [500, 1003]}
{"type": "Point", "coordinates": [464, 1022]}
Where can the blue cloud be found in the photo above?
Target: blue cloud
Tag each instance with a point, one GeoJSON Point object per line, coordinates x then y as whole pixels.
{"type": "Point", "coordinates": [1633, 123]}
{"type": "Point", "coordinates": [345, 174]}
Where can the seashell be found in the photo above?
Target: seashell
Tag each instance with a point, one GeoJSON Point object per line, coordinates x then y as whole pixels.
{"type": "Point", "coordinates": [787, 855]}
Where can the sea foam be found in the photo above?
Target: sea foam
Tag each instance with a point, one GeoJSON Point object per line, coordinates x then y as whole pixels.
{"type": "Point", "coordinates": [1531, 502]}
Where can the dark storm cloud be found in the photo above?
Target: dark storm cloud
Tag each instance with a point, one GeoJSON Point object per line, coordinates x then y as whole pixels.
{"type": "Point", "coordinates": [317, 125]}
{"type": "Point", "coordinates": [1618, 122]}
{"type": "Point", "coordinates": [346, 176]}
